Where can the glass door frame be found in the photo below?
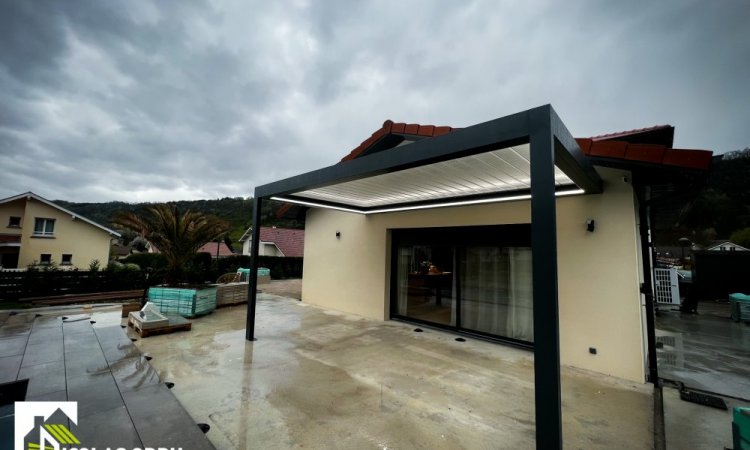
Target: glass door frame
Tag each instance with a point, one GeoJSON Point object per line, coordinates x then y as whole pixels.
{"type": "Point", "coordinates": [511, 235]}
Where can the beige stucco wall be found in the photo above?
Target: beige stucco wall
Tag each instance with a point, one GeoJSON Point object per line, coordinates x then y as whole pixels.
{"type": "Point", "coordinates": [8, 210]}
{"type": "Point", "coordinates": [265, 249]}
{"type": "Point", "coordinates": [74, 236]}
{"type": "Point", "coordinates": [598, 272]}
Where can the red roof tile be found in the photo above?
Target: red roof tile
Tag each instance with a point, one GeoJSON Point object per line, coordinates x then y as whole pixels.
{"type": "Point", "coordinates": [404, 129]}
{"type": "Point", "coordinates": [647, 153]}
{"type": "Point", "coordinates": [291, 242]}
{"type": "Point", "coordinates": [604, 145]}
{"type": "Point", "coordinates": [618, 134]}
{"type": "Point", "coordinates": [210, 247]}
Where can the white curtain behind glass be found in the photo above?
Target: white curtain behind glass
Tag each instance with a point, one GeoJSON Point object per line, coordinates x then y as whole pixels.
{"type": "Point", "coordinates": [496, 291]}
{"type": "Point", "coordinates": [484, 290]}
{"type": "Point", "coordinates": [520, 324]}
{"type": "Point", "coordinates": [404, 266]}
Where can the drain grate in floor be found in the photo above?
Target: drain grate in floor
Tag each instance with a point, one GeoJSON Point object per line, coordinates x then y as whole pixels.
{"type": "Point", "coordinates": [703, 399]}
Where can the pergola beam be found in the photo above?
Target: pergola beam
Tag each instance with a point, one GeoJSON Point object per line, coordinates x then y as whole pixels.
{"type": "Point", "coordinates": [252, 293]}
{"type": "Point", "coordinates": [547, 395]}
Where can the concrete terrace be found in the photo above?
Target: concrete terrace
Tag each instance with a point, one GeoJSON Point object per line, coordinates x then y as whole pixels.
{"type": "Point", "coordinates": [317, 378]}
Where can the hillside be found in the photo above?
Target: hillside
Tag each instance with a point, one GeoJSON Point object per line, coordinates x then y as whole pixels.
{"type": "Point", "coordinates": [722, 208]}
{"type": "Point", "coordinates": [236, 211]}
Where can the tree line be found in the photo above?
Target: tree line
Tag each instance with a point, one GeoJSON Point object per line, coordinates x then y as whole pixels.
{"type": "Point", "coordinates": [235, 211]}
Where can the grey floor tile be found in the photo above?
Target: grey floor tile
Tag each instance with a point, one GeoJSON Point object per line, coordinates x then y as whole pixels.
{"type": "Point", "coordinates": [49, 351]}
{"type": "Point", "coordinates": [9, 366]}
{"type": "Point", "coordinates": [81, 327]}
{"type": "Point", "coordinates": [161, 420]}
{"type": "Point", "coordinates": [13, 346]}
{"type": "Point", "coordinates": [80, 342]}
{"type": "Point", "coordinates": [57, 396]}
{"type": "Point", "coordinates": [86, 362]}
{"type": "Point", "coordinates": [44, 378]}
{"type": "Point", "coordinates": [111, 428]}
{"type": "Point", "coordinates": [110, 333]}
{"type": "Point", "coordinates": [10, 331]}
{"type": "Point", "coordinates": [94, 393]}
{"type": "Point", "coordinates": [47, 322]}
{"type": "Point", "coordinates": [134, 373]}
{"type": "Point", "coordinates": [45, 335]}
{"type": "Point", "coordinates": [118, 350]}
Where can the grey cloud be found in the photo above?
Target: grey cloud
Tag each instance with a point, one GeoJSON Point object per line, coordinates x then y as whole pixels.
{"type": "Point", "coordinates": [188, 99]}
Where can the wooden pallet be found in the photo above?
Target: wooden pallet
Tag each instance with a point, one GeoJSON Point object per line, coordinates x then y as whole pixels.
{"type": "Point", "coordinates": [127, 308]}
{"type": "Point", "coordinates": [174, 325]}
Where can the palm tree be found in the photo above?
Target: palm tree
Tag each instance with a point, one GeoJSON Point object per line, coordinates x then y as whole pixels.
{"type": "Point", "coordinates": [177, 234]}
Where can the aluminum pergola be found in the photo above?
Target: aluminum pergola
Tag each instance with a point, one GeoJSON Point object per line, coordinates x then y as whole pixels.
{"type": "Point", "coordinates": [525, 156]}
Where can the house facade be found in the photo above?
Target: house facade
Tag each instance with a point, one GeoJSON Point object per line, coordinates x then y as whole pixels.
{"type": "Point", "coordinates": [510, 230]}
{"type": "Point", "coordinates": [275, 241]}
{"type": "Point", "coordinates": [35, 231]}
{"type": "Point", "coordinates": [484, 252]}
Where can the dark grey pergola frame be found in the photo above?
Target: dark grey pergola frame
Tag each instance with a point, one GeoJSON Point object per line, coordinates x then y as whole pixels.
{"type": "Point", "coordinates": [551, 144]}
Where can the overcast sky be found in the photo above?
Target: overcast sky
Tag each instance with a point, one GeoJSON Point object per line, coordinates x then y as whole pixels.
{"type": "Point", "coordinates": [169, 100]}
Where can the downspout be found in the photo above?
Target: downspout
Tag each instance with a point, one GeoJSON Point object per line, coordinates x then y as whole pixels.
{"type": "Point", "coordinates": [647, 287]}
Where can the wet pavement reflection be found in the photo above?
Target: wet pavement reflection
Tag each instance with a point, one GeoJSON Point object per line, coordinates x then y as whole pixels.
{"type": "Point", "coordinates": [707, 351]}
{"type": "Point", "coordinates": [317, 378]}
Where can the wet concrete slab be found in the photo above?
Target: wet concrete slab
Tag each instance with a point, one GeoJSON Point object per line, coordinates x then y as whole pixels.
{"type": "Point", "coordinates": [317, 378]}
{"type": "Point", "coordinates": [693, 426]}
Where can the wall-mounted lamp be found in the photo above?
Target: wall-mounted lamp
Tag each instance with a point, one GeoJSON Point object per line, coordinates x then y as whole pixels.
{"type": "Point", "coordinates": [338, 234]}
{"type": "Point", "coordinates": [590, 225]}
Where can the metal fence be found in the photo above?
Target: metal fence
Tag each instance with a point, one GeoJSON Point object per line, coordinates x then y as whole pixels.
{"type": "Point", "coordinates": [39, 283]}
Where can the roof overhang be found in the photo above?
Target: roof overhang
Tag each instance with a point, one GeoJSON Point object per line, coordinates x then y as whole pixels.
{"type": "Point", "coordinates": [485, 163]}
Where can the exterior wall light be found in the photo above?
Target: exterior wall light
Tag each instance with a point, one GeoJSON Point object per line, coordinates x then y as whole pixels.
{"type": "Point", "coordinates": [590, 225]}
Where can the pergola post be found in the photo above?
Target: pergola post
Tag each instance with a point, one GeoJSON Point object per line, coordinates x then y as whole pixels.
{"type": "Point", "coordinates": [547, 390]}
{"type": "Point", "coordinates": [252, 286]}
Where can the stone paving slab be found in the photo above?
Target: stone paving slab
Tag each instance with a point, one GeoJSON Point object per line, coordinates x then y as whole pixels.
{"type": "Point", "coordinates": [122, 402]}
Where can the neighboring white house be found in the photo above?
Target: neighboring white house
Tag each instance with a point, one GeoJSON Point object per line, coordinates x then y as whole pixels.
{"type": "Point", "coordinates": [276, 242]}
{"type": "Point", "coordinates": [726, 246]}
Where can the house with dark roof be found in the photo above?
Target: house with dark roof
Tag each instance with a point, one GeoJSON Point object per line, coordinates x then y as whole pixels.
{"type": "Point", "coordinates": [276, 242]}
{"type": "Point", "coordinates": [510, 230]}
{"type": "Point", "coordinates": [36, 231]}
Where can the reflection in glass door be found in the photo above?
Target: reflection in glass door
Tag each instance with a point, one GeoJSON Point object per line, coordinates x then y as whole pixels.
{"type": "Point", "coordinates": [425, 286]}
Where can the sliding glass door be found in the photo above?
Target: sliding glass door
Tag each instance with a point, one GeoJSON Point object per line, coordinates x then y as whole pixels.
{"type": "Point", "coordinates": [473, 279]}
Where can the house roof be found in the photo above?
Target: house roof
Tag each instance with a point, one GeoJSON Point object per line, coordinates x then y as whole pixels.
{"type": "Point", "coordinates": [651, 146]}
{"type": "Point", "coordinates": [289, 241]}
{"type": "Point", "coordinates": [210, 247]}
{"type": "Point", "coordinates": [403, 131]}
{"type": "Point", "coordinates": [58, 207]}
{"type": "Point", "coordinates": [717, 244]}
{"type": "Point", "coordinates": [647, 153]}
{"type": "Point", "coordinates": [647, 145]}
{"type": "Point", "coordinates": [658, 134]}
